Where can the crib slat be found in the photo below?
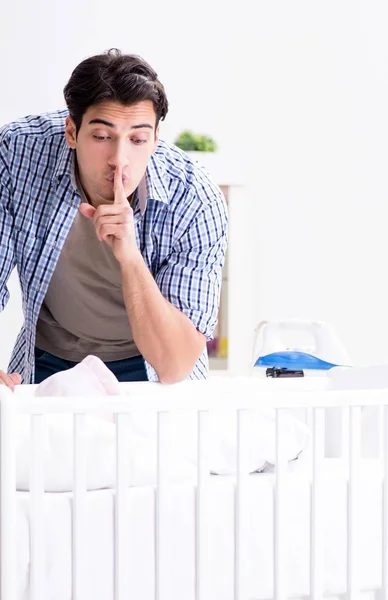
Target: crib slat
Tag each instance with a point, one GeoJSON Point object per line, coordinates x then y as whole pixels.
{"type": "Point", "coordinates": [203, 474]}
{"type": "Point", "coordinates": [345, 436]}
{"type": "Point", "coordinates": [385, 502]}
{"type": "Point", "coordinates": [161, 529]}
{"type": "Point", "coordinates": [280, 525]}
{"type": "Point", "coordinates": [79, 523]}
{"type": "Point", "coordinates": [242, 509]}
{"type": "Point", "coordinates": [353, 493]}
{"type": "Point", "coordinates": [7, 497]}
{"type": "Point", "coordinates": [37, 540]}
{"type": "Point", "coordinates": [317, 532]}
{"type": "Point", "coordinates": [122, 562]}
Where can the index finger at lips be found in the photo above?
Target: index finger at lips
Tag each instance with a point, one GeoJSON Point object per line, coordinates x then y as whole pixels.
{"type": "Point", "coordinates": [119, 191]}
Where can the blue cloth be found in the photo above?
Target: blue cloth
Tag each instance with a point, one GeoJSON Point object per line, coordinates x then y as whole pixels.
{"type": "Point", "coordinates": [129, 369]}
{"type": "Point", "coordinates": [182, 235]}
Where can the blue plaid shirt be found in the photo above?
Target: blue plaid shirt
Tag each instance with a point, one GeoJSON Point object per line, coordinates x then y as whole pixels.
{"type": "Point", "coordinates": [182, 234]}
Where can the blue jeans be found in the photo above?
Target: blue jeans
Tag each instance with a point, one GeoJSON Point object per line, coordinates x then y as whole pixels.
{"type": "Point", "coordinates": [128, 369]}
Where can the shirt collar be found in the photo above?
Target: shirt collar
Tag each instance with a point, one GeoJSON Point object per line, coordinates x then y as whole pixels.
{"type": "Point", "coordinates": [157, 188]}
{"type": "Point", "coordinates": [64, 163]}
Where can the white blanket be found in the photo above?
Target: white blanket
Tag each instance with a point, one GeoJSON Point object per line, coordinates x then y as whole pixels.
{"type": "Point", "coordinates": [91, 377]}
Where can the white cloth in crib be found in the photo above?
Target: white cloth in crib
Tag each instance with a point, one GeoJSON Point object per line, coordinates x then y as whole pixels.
{"type": "Point", "coordinates": [92, 378]}
{"type": "Point", "coordinates": [89, 378]}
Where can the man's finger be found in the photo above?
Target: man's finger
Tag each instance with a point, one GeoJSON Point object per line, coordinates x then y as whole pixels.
{"type": "Point", "coordinates": [123, 217]}
{"type": "Point", "coordinates": [87, 210]}
{"type": "Point", "coordinates": [7, 380]}
{"type": "Point", "coordinates": [120, 197]}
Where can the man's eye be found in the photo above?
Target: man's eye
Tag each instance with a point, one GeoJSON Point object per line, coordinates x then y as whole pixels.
{"type": "Point", "coordinates": [138, 142]}
{"type": "Point", "coordinates": [100, 138]}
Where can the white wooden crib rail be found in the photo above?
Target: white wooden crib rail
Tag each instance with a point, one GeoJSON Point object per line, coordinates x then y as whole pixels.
{"type": "Point", "coordinates": [164, 400]}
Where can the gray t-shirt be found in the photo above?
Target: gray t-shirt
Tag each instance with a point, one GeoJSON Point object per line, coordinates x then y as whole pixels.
{"type": "Point", "coordinates": [83, 311]}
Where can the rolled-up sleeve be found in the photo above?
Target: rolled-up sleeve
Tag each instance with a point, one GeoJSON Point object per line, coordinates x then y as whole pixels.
{"type": "Point", "coordinates": [7, 258]}
{"type": "Point", "coordinates": [191, 277]}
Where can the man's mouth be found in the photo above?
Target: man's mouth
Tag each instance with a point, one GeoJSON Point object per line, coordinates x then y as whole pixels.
{"type": "Point", "coordinates": [111, 179]}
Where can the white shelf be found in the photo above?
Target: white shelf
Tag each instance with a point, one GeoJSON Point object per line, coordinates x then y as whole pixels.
{"type": "Point", "coordinates": [237, 276]}
{"type": "Point", "coordinates": [223, 170]}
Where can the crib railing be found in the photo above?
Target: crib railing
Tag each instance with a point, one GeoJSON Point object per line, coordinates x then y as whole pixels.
{"type": "Point", "coordinates": [164, 400]}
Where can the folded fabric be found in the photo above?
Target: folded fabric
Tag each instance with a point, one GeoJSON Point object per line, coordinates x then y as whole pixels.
{"type": "Point", "coordinates": [90, 377]}
{"type": "Point", "coordinates": [368, 377]}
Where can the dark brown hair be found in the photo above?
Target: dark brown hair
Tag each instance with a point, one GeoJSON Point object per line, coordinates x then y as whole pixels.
{"type": "Point", "coordinates": [123, 78]}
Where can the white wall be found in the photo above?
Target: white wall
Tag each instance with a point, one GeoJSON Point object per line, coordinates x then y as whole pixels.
{"type": "Point", "coordinates": [321, 161]}
{"type": "Point", "coordinates": [43, 43]}
{"type": "Point", "coordinates": [299, 89]}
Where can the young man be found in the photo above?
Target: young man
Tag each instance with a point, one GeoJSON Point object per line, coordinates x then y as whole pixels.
{"type": "Point", "coordinates": [119, 239]}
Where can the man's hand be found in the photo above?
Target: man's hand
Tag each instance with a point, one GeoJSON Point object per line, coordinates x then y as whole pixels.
{"type": "Point", "coordinates": [10, 380]}
{"type": "Point", "coordinates": [114, 222]}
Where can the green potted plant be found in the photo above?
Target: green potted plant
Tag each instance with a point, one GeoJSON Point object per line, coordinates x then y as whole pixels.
{"type": "Point", "coordinates": [191, 142]}
{"type": "Point", "coordinates": [202, 149]}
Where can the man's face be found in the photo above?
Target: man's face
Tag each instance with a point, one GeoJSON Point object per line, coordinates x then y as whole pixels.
{"type": "Point", "coordinates": [113, 135]}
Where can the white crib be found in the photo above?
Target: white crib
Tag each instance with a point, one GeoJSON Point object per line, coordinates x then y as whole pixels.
{"type": "Point", "coordinates": [299, 532]}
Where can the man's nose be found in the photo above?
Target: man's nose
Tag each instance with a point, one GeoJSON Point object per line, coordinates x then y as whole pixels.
{"type": "Point", "coordinates": [119, 156]}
